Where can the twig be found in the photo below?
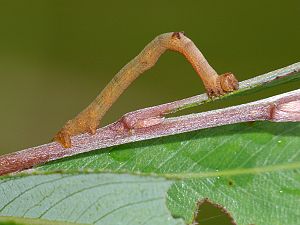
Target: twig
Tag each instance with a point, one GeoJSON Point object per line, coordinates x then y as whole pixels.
{"type": "Point", "coordinates": [280, 108]}
{"type": "Point", "coordinates": [89, 119]}
{"type": "Point", "coordinates": [135, 118]}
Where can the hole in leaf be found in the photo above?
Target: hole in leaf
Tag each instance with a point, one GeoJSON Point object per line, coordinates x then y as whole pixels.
{"type": "Point", "coordinates": [209, 213]}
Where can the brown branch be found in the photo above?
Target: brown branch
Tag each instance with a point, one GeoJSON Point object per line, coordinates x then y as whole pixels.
{"type": "Point", "coordinates": [280, 108]}
{"type": "Point", "coordinates": [88, 120]}
{"type": "Point", "coordinates": [153, 114]}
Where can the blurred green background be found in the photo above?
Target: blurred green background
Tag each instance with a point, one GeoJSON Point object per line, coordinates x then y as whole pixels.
{"type": "Point", "coordinates": [57, 55]}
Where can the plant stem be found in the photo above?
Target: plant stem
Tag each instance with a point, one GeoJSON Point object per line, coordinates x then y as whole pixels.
{"type": "Point", "coordinates": [278, 76]}
{"type": "Point", "coordinates": [279, 108]}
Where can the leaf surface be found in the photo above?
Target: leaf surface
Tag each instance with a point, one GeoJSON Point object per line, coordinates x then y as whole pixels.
{"type": "Point", "coordinates": [240, 167]}
{"type": "Point", "coordinates": [89, 198]}
{"type": "Point", "coordinates": [9, 220]}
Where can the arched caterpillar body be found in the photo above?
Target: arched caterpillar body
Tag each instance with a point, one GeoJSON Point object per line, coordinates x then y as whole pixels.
{"type": "Point", "coordinates": [89, 119]}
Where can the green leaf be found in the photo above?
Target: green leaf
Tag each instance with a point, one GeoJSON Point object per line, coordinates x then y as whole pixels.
{"type": "Point", "coordinates": [10, 220]}
{"type": "Point", "coordinates": [90, 198]}
{"type": "Point", "coordinates": [252, 170]}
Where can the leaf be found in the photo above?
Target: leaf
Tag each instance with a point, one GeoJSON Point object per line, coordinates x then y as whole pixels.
{"type": "Point", "coordinates": [90, 198]}
{"type": "Point", "coordinates": [229, 162]}
{"type": "Point", "coordinates": [9, 220]}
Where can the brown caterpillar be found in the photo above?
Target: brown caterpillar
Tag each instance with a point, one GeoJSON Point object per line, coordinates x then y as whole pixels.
{"type": "Point", "coordinates": [88, 120]}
